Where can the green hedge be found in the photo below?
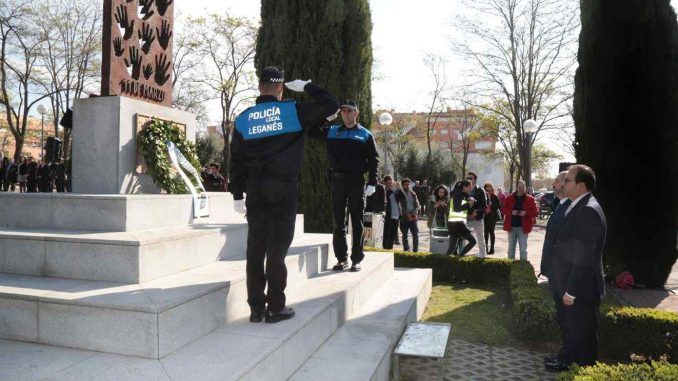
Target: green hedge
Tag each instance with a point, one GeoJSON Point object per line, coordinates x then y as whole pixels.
{"type": "Point", "coordinates": [450, 269]}
{"type": "Point", "coordinates": [643, 331]}
{"type": "Point", "coordinates": [623, 330]}
{"type": "Point", "coordinates": [533, 309]}
{"type": "Point", "coordinates": [657, 371]}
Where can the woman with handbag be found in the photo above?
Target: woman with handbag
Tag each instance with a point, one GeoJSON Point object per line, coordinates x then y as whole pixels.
{"type": "Point", "coordinates": [22, 174]}
{"type": "Point", "coordinates": [491, 216]}
{"type": "Point", "coordinates": [440, 206]}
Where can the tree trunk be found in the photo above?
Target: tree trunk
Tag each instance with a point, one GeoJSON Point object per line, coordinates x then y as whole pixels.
{"type": "Point", "coordinates": [626, 113]}
{"type": "Point", "coordinates": [226, 163]}
{"type": "Point", "coordinates": [19, 147]}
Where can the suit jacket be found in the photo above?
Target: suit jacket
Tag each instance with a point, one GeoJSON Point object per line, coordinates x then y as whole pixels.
{"type": "Point", "coordinates": [481, 202]}
{"type": "Point", "coordinates": [578, 252]}
{"type": "Point", "coordinates": [403, 203]}
{"type": "Point", "coordinates": [377, 202]}
{"type": "Point", "coordinates": [552, 227]}
{"type": "Point", "coordinates": [390, 192]}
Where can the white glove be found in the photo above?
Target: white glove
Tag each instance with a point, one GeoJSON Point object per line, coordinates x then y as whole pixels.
{"type": "Point", "coordinates": [239, 206]}
{"type": "Point", "coordinates": [369, 190]}
{"type": "Point", "coordinates": [297, 85]}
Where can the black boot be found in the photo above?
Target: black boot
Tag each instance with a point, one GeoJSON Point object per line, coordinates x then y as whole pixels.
{"type": "Point", "coordinates": [284, 314]}
{"type": "Point", "coordinates": [256, 316]}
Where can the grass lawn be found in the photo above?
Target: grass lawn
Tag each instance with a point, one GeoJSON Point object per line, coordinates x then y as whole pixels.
{"type": "Point", "coordinates": [476, 314]}
{"type": "Point", "coordinates": [481, 314]}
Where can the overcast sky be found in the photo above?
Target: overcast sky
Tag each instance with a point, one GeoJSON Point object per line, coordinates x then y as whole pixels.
{"type": "Point", "coordinates": [404, 31]}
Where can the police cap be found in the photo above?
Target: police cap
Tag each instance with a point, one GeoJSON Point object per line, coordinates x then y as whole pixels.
{"type": "Point", "coordinates": [349, 104]}
{"type": "Point", "coordinates": [272, 74]}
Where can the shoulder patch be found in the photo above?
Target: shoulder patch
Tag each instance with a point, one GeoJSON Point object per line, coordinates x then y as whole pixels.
{"type": "Point", "coordinates": [268, 119]}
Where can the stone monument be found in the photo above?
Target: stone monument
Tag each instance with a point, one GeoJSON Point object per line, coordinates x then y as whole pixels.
{"type": "Point", "coordinates": [136, 85]}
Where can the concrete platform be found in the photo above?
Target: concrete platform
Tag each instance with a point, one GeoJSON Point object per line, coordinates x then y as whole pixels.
{"type": "Point", "coordinates": [245, 351]}
{"type": "Point", "coordinates": [130, 257]}
{"type": "Point", "coordinates": [367, 339]}
{"type": "Point", "coordinates": [72, 211]}
{"type": "Point", "coordinates": [150, 319]}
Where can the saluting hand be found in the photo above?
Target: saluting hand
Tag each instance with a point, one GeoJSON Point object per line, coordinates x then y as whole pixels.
{"type": "Point", "coordinates": [297, 85]}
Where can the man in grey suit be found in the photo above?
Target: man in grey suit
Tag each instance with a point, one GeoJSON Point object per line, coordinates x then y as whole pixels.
{"type": "Point", "coordinates": [577, 271]}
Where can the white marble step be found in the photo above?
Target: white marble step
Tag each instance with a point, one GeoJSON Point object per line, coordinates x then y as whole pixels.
{"type": "Point", "coordinates": [74, 211]}
{"type": "Point", "coordinates": [130, 257]}
{"type": "Point", "coordinates": [361, 349]}
{"type": "Point", "coordinates": [150, 319]}
{"type": "Point", "coordinates": [238, 350]}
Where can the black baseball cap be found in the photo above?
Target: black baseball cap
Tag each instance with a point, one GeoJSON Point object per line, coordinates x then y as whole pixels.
{"type": "Point", "coordinates": [349, 104]}
{"type": "Point", "coordinates": [272, 74]}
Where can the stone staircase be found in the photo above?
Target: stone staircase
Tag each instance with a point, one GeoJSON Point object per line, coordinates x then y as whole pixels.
{"type": "Point", "coordinates": [104, 296]}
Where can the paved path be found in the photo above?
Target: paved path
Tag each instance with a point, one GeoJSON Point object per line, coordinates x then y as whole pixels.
{"type": "Point", "coordinates": [471, 361]}
{"type": "Point", "coordinates": [662, 299]}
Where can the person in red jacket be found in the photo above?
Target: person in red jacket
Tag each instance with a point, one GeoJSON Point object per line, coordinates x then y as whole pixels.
{"type": "Point", "coordinates": [519, 210]}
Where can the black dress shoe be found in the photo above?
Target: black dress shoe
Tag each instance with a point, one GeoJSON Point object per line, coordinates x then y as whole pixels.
{"type": "Point", "coordinates": [557, 366]}
{"type": "Point", "coordinates": [490, 252]}
{"type": "Point", "coordinates": [284, 314]}
{"type": "Point", "coordinates": [256, 316]}
{"type": "Point", "coordinates": [551, 358]}
{"type": "Point", "coordinates": [355, 268]}
{"type": "Point", "coordinates": [340, 266]}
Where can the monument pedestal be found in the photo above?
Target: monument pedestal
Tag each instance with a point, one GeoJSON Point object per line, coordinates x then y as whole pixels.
{"type": "Point", "coordinates": [104, 154]}
{"type": "Point", "coordinates": [107, 271]}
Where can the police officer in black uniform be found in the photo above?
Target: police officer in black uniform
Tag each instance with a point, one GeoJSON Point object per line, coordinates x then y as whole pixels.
{"type": "Point", "coordinates": [266, 156]}
{"type": "Point", "coordinates": [352, 152]}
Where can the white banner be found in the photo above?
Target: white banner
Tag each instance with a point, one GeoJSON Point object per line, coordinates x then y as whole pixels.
{"type": "Point", "coordinates": [201, 205]}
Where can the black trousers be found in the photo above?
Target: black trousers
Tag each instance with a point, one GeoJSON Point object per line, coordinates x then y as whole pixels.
{"type": "Point", "coordinates": [348, 191]}
{"type": "Point", "coordinates": [459, 230]}
{"type": "Point", "coordinates": [560, 319]}
{"type": "Point", "coordinates": [390, 232]}
{"type": "Point", "coordinates": [271, 215]}
{"type": "Point", "coordinates": [32, 185]}
{"type": "Point", "coordinates": [580, 331]}
{"type": "Point", "coordinates": [490, 223]}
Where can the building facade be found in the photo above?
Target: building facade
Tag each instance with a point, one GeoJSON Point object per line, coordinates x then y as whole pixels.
{"type": "Point", "coordinates": [458, 133]}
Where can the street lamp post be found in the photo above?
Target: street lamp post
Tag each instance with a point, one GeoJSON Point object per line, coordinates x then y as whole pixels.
{"type": "Point", "coordinates": [385, 120]}
{"type": "Point", "coordinates": [530, 127]}
{"type": "Point", "coordinates": [42, 110]}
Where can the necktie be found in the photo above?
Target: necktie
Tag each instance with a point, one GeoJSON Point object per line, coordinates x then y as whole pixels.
{"type": "Point", "coordinates": [566, 206]}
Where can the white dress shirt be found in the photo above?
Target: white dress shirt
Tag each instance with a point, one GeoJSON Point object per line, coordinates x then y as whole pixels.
{"type": "Point", "coordinates": [568, 211]}
{"type": "Point", "coordinates": [575, 202]}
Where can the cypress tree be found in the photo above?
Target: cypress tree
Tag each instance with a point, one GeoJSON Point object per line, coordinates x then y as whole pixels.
{"type": "Point", "coordinates": [328, 41]}
{"type": "Point", "coordinates": [626, 119]}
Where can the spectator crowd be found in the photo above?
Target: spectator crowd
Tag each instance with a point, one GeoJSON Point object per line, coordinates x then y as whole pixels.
{"type": "Point", "coordinates": [468, 212]}
{"type": "Point", "coordinates": [27, 175]}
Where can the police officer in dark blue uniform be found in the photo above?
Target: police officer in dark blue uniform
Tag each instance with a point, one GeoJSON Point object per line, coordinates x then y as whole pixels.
{"type": "Point", "coordinates": [266, 156]}
{"type": "Point", "coordinates": [352, 152]}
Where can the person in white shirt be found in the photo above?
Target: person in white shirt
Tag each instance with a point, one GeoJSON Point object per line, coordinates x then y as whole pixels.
{"type": "Point", "coordinates": [577, 275]}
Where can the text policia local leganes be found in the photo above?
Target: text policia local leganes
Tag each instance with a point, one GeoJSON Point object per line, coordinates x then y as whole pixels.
{"type": "Point", "coordinates": [270, 116]}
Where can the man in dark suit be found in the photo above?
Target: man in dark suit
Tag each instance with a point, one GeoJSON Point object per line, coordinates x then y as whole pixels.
{"type": "Point", "coordinates": [561, 203]}
{"type": "Point", "coordinates": [393, 197]}
{"type": "Point", "coordinates": [577, 272]}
